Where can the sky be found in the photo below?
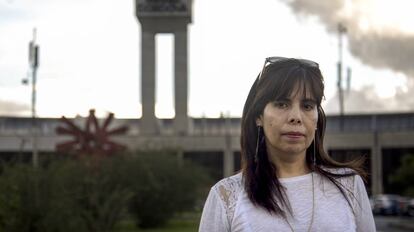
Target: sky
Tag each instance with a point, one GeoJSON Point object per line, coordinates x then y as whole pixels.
{"type": "Point", "coordinates": [90, 54]}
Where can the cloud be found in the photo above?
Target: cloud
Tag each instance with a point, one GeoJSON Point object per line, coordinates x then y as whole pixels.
{"type": "Point", "coordinates": [366, 100]}
{"type": "Point", "coordinates": [404, 97]}
{"type": "Point", "coordinates": [11, 12]}
{"type": "Point", "coordinates": [9, 108]}
{"type": "Point", "coordinates": [356, 101]}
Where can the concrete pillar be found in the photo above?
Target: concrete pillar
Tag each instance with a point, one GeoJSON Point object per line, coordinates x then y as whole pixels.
{"type": "Point", "coordinates": [228, 156]}
{"type": "Point", "coordinates": [376, 166]}
{"type": "Point", "coordinates": [228, 163]}
{"type": "Point", "coordinates": [148, 124]}
{"type": "Point", "coordinates": [180, 81]}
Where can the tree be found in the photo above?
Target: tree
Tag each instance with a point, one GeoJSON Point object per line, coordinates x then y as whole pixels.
{"type": "Point", "coordinates": [403, 178]}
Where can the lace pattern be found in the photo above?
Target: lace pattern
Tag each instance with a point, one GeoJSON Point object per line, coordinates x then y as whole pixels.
{"type": "Point", "coordinates": [228, 190]}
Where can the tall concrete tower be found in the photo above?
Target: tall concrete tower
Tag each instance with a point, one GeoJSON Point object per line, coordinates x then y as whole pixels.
{"type": "Point", "coordinates": [164, 16]}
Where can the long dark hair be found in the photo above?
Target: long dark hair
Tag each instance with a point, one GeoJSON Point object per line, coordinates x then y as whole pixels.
{"type": "Point", "coordinates": [277, 81]}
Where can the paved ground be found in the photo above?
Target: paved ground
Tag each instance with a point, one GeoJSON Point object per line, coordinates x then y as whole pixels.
{"type": "Point", "coordinates": [394, 224]}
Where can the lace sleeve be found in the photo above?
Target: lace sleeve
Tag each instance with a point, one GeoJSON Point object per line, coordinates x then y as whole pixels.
{"type": "Point", "coordinates": [213, 217]}
{"type": "Point", "coordinates": [220, 205]}
{"type": "Point", "coordinates": [363, 214]}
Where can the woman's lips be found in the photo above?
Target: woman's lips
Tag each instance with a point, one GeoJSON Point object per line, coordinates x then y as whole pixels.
{"type": "Point", "coordinates": [293, 135]}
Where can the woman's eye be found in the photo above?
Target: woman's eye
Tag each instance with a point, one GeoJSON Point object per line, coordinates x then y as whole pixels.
{"type": "Point", "coordinates": [309, 106]}
{"type": "Point", "coordinates": [281, 104]}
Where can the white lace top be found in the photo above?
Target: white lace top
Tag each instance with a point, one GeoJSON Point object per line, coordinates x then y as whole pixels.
{"type": "Point", "coordinates": [228, 208]}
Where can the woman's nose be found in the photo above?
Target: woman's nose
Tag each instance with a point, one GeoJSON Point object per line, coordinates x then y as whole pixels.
{"type": "Point", "coordinates": [295, 115]}
{"type": "Point", "coordinates": [295, 120]}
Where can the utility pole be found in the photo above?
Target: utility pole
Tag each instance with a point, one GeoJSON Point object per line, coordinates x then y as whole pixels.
{"type": "Point", "coordinates": [341, 31]}
{"type": "Point", "coordinates": [34, 64]}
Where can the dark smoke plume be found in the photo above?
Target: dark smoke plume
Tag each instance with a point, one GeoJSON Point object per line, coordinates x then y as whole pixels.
{"type": "Point", "coordinates": [387, 48]}
{"type": "Point", "coordinates": [391, 49]}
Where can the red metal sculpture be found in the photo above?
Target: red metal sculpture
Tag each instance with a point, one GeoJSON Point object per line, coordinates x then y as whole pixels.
{"type": "Point", "coordinates": [93, 139]}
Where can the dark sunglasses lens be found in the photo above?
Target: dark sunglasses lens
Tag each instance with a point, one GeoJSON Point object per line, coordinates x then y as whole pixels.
{"type": "Point", "coordinates": [276, 59]}
{"type": "Point", "coordinates": [309, 62]}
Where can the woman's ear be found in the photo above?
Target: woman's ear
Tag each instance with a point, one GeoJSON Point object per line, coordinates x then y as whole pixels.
{"type": "Point", "coordinates": [259, 121]}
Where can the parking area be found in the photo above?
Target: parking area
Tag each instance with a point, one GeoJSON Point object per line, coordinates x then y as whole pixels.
{"type": "Point", "coordinates": [394, 223]}
{"type": "Point", "coordinates": [392, 205]}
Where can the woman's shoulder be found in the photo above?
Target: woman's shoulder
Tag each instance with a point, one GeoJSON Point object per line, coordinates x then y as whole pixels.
{"type": "Point", "coordinates": [221, 203]}
{"type": "Point", "coordinates": [228, 190]}
{"type": "Point", "coordinates": [345, 176]}
{"type": "Point", "coordinates": [339, 171]}
{"type": "Point", "coordinates": [229, 185]}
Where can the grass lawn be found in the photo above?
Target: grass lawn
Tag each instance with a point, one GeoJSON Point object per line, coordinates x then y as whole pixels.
{"type": "Point", "coordinates": [187, 223]}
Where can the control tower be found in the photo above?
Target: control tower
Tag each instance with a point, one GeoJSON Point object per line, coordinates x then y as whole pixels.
{"type": "Point", "coordinates": [164, 16]}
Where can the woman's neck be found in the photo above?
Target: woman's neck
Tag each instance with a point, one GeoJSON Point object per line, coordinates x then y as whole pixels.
{"type": "Point", "coordinates": [291, 167]}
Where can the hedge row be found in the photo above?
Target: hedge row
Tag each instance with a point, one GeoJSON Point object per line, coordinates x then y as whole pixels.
{"type": "Point", "coordinates": [94, 194]}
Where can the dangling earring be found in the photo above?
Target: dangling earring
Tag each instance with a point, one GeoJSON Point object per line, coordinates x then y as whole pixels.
{"type": "Point", "coordinates": [258, 141]}
{"type": "Point", "coordinates": [314, 149]}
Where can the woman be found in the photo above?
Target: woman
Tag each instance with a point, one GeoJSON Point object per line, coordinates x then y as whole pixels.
{"type": "Point", "coordinates": [288, 182]}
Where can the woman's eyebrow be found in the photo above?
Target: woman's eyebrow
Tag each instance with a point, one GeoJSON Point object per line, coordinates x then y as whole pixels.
{"type": "Point", "coordinates": [309, 100]}
{"type": "Point", "coordinates": [283, 99]}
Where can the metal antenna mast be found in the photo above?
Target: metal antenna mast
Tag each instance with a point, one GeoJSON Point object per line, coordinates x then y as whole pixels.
{"type": "Point", "coordinates": [341, 31]}
{"type": "Point", "coordinates": [34, 64]}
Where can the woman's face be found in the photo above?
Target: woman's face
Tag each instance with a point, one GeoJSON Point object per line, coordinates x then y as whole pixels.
{"type": "Point", "coordinates": [289, 124]}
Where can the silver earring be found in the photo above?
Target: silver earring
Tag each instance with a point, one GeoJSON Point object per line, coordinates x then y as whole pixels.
{"type": "Point", "coordinates": [314, 150]}
{"type": "Point", "coordinates": [259, 131]}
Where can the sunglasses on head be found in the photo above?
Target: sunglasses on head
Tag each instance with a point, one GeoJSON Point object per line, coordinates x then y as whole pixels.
{"type": "Point", "coordinates": [277, 59]}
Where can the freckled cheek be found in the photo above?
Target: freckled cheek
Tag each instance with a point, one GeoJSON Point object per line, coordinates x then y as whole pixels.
{"type": "Point", "coordinates": [270, 127]}
{"type": "Point", "coordinates": [315, 117]}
